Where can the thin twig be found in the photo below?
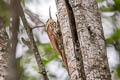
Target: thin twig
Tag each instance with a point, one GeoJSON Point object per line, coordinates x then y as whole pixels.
{"type": "Point", "coordinates": [32, 41]}
{"type": "Point", "coordinates": [26, 43]}
{"type": "Point", "coordinates": [38, 27]}
{"type": "Point", "coordinates": [34, 17]}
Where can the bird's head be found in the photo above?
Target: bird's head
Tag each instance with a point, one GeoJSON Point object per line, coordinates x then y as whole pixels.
{"type": "Point", "coordinates": [50, 20]}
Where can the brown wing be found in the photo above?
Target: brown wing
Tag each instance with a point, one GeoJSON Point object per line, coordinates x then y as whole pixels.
{"type": "Point", "coordinates": [52, 38]}
{"type": "Point", "coordinates": [55, 41]}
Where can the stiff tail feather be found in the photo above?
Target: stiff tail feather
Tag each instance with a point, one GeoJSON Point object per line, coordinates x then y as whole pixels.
{"type": "Point", "coordinates": [65, 61]}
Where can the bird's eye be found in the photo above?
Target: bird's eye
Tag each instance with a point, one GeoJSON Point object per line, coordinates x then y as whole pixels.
{"type": "Point", "coordinates": [54, 24]}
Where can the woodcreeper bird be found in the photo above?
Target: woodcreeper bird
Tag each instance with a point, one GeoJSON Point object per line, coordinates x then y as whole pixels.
{"type": "Point", "coordinates": [55, 36]}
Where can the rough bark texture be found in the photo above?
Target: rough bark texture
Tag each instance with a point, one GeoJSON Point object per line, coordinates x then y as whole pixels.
{"type": "Point", "coordinates": [3, 52]}
{"type": "Point", "coordinates": [80, 20]}
{"type": "Point", "coordinates": [91, 39]}
{"type": "Point", "coordinates": [70, 41]}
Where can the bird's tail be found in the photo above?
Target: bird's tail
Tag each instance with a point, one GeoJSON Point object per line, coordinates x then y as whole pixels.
{"type": "Point", "coordinates": [65, 61]}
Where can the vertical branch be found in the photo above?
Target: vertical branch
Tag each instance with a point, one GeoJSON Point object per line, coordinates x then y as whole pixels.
{"type": "Point", "coordinates": [91, 39]}
{"type": "Point", "coordinates": [32, 41]}
{"type": "Point", "coordinates": [70, 40]}
{"type": "Point", "coordinates": [12, 65]}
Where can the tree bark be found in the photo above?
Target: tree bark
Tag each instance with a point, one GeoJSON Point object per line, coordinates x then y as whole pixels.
{"type": "Point", "coordinates": [70, 40]}
{"type": "Point", "coordinates": [3, 52]}
{"type": "Point", "coordinates": [81, 24]}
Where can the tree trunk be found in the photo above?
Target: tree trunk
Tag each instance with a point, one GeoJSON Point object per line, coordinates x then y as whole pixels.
{"type": "Point", "coordinates": [70, 40]}
{"type": "Point", "coordinates": [83, 39]}
{"type": "Point", "coordinates": [3, 52]}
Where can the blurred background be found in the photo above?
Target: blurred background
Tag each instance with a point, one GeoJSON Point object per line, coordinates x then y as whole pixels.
{"type": "Point", "coordinates": [37, 13]}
